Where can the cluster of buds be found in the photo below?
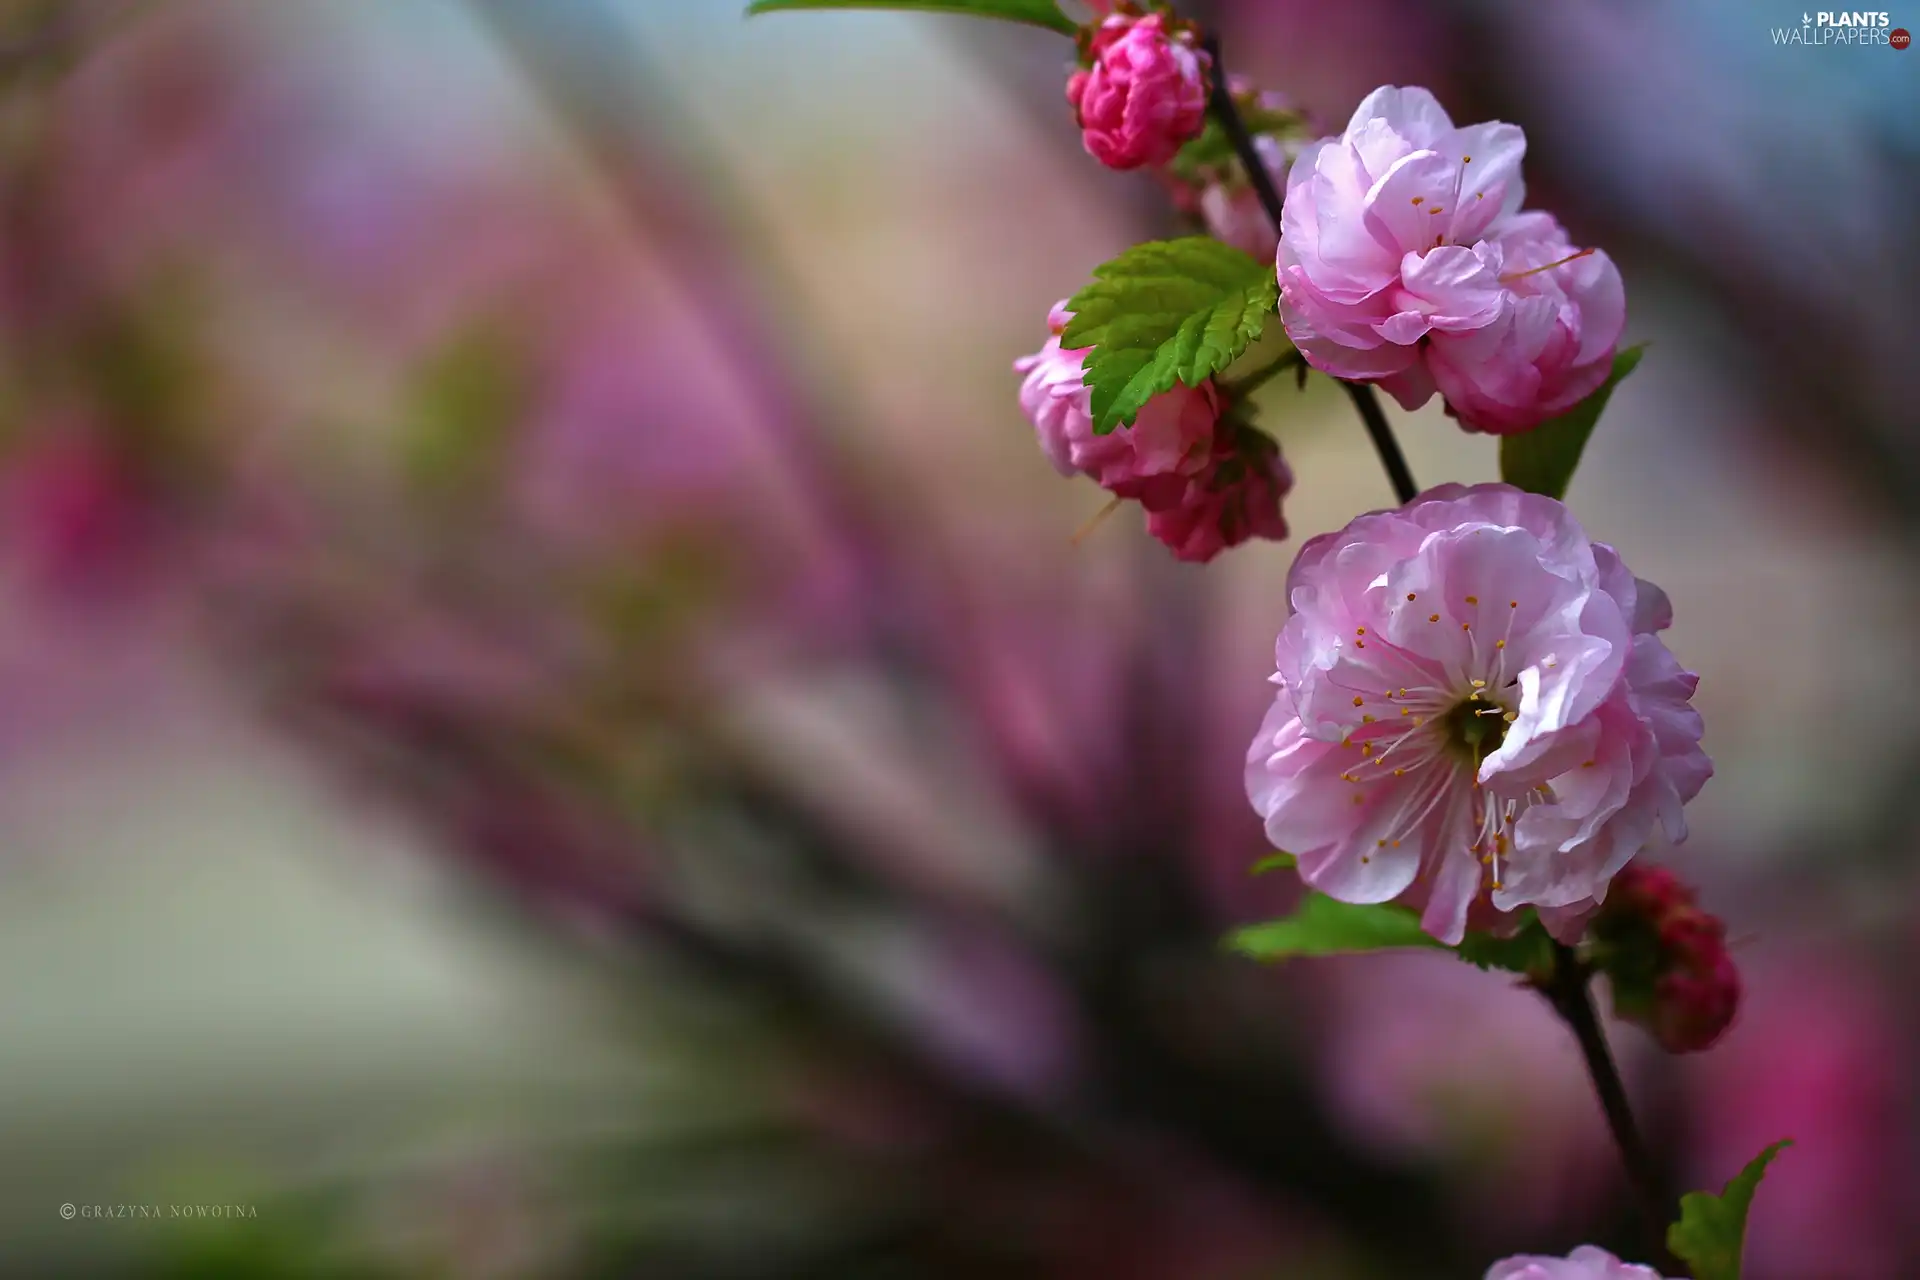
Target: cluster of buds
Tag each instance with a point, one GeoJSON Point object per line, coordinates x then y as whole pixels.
{"type": "Point", "coordinates": [1667, 960]}
{"type": "Point", "coordinates": [1206, 480]}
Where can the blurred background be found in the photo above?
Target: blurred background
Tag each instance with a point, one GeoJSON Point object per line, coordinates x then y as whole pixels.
{"type": "Point", "coordinates": [551, 724]}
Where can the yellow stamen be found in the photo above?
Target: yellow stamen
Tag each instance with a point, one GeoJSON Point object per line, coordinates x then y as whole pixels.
{"type": "Point", "coordinates": [1099, 518]}
{"type": "Point", "coordinates": [1521, 275]}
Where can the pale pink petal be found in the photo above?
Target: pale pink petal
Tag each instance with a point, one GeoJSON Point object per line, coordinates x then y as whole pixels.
{"type": "Point", "coordinates": [1413, 113]}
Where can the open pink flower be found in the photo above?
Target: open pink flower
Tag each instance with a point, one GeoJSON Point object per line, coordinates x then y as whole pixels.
{"type": "Point", "coordinates": [1145, 94]}
{"type": "Point", "coordinates": [1171, 441]}
{"type": "Point", "coordinates": [1474, 710]}
{"type": "Point", "coordinates": [1405, 260]}
{"type": "Point", "coordinates": [1584, 1263]}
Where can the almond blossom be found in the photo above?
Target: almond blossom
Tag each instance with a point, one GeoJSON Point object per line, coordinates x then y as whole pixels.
{"type": "Point", "coordinates": [1405, 260]}
{"type": "Point", "coordinates": [1475, 713]}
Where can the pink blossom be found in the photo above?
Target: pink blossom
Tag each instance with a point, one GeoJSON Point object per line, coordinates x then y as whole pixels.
{"type": "Point", "coordinates": [1474, 710]}
{"type": "Point", "coordinates": [1405, 260]}
{"type": "Point", "coordinates": [1584, 1263]}
{"type": "Point", "coordinates": [1235, 498]}
{"type": "Point", "coordinates": [1144, 95]}
{"type": "Point", "coordinates": [1170, 441]}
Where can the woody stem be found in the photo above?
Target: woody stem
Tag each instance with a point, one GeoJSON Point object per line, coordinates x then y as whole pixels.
{"type": "Point", "coordinates": [1568, 992]}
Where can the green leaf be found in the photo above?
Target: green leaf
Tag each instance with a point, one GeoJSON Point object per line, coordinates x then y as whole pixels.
{"type": "Point", "coordinates": [1275, 862]}
{"type": "Point", "coordinates": [1036, 13]}
{"type": "Point", "coordinates": [1542, 460]}
{"type": "Point", "coordinates": [1324, 927]}
{"type": "Point", "coordinates": [1529, 951]}
{"type": "Point", "coordinates": [1712, 1229]}
{"type": "Point", "coordinates": [1166, 312]}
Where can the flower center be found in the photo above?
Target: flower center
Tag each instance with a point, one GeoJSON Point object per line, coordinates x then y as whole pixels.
{"type": "Point", "coordinates": [1476, 727]}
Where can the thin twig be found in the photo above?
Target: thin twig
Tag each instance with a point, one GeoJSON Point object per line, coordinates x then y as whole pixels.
{"type": "Point", "coordinates": [1384, 443]}
{"type": "Point", "coordinates": [1221, 103]}
{"type": "Point", "coordinates": [1571, 998]}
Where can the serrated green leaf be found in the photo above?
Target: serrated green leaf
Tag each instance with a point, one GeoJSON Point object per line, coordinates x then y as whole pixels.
{"type": "Point", "coordinates": [1166, 312]}
{"type": "Point", "coordinates": [1035, 13]}
{"type": "Point", "coordinates": [1324, 927]}
{"type": "Point", "coordinates": [1279, 861]}
{"type": "Point", "coordinates": [1712, 1229]}
{"type": "Point", "coordinates": [1528, 951]}
{"type": "Point", "coordinates": [1543, 460]}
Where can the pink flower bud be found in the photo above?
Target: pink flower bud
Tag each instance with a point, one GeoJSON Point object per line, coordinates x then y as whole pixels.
{"type": "Point", "coordinates": [1667, 960]}
{"type": "Point", "coordinates": [1145, 93]}
{"type": "Point", "coordinates": [1236, 497]}
{"type": "Point", "coordinates": [1150, 462]}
